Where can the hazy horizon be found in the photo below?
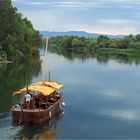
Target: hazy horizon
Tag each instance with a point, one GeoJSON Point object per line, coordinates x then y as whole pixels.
{"type": "Point", "coordinates": [84, 32]}
{"type": "Point", "coordinates": [115, 17]}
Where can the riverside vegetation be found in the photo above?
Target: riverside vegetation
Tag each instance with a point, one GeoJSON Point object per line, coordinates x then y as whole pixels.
{"type": "Point", "coordinates": [18, 38]}
{"type": "Point", "coordinates": [126, 50]}
{"type": "Point", "coordinates": [129, 43]}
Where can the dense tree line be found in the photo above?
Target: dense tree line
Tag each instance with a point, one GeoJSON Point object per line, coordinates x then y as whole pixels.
{"type": "Point", "coordinates": [128, 43]}
{"type": "Point", "coordinates": [18, 38]}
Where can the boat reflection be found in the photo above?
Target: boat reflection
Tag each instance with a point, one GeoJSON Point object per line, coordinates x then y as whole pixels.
{"type": "Point", "coordinates": [45, 130]}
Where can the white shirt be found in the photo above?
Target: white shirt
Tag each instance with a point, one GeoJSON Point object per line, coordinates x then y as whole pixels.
{"type": "Point", "coordinates": [28, 97]}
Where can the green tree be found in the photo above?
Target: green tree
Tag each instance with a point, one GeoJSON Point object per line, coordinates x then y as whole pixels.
{"type": "Point", "coordinates": [137, 37]}
{"type": "Point", "coordinates": [18, 38]}
{"type": "Point", "coordinates": [103, 41]}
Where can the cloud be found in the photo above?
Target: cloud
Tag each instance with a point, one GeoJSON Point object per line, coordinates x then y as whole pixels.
{"type": "Point", "coordinates": [116, 26]}
{"type": "Point", "coordinates": [81, 3]}
{"type": "Point", "coordinates": [98, 16]}
{"type": "Point", "coordinates": [113, 21]}
{"type": "Point", "coordinates": [36, 3]}
{"type": "Point", "coordinates": [48, 20]}
{"type": "Point", "coordinates": [137, 15]}
{"type": "Point", "coordinates": [124, 115]}
{"type": "Point", "coordinates": [64, 4]}
{"type": "Point", "coordinates": [106, 29]}
{"type": "Point", "coordinates": [113, 94]}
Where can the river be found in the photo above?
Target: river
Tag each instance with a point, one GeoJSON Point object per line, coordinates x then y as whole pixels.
{"type": "Point", "coordinates": [102, 99]}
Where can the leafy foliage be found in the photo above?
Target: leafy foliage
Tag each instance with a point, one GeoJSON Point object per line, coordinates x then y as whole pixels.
{"type": "Point", "coordinates": [130, 42]}
{"type": "Point", "coordinates": [18, 38]}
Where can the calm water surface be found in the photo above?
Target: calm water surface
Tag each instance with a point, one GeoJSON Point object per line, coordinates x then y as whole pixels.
{"type": "Point", "coordinates": [102, 100]}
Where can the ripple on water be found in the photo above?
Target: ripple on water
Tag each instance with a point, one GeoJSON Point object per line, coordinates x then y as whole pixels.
{"type": "Point", "coordinates": [8, 131]}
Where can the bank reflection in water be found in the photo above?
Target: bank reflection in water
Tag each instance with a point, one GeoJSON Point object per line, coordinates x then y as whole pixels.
{"type": "Point", "coordinates": [15, 76]}
{"type": "Point", "coordinates": [46, 130]}
{"type": "Point", "coordinates": [102, 57]}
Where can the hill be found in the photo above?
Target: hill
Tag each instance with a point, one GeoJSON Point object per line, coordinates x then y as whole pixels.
{"type": "Point", "coordinates": [76, 33]}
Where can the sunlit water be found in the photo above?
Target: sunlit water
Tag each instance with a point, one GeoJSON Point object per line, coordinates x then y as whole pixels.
{"type": "Point", "coordinates": [102, 101]}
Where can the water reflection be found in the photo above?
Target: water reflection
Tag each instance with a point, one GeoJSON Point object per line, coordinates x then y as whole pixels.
{"type": "Point", "coordinates": [101, 57]}
{"type": "Point", "coordinates": [46, 130]}
{"type": "Point", "coordinates": [15, 76]}
{"type": "Point", "coordinates": [102, 98]}
{"type": "Point", "coordinates": [124, 115]}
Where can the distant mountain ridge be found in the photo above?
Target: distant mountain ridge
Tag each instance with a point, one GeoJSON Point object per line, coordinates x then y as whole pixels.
{"type": "Point", "coordinates": [76, 33]}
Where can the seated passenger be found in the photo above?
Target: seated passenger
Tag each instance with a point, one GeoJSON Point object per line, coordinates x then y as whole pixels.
{"type": "Point", "coordinates": [37, 104]}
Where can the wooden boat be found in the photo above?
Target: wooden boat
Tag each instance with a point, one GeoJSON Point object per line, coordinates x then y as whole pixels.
{"type": "Point", "coordinates": [46, 131]}
{"type": "Point", "coordinates": [45, 102]}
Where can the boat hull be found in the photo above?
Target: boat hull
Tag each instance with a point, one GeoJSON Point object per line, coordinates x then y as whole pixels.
{"type": "Point", "coordinates": [35, 115]}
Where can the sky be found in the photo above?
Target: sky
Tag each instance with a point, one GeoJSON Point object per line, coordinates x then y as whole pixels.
{"type": "Point", "coordinates": [93, 16]}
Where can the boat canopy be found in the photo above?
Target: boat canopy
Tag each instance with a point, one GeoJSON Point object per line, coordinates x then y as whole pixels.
{"type": "Point", "coordinates": [45, 88]}
{"type": "Point", "coordinates": [49, 84]}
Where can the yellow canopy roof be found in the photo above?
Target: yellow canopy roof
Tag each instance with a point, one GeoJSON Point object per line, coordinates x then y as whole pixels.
{"type": "Point", "coordinates": [37, 88]}
{"type": "Point", "coordinates": [45, 87]}
{"type": "Point", "coordinates": [49, 84]}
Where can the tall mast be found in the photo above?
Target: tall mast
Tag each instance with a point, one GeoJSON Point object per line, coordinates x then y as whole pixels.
{"type": "Point", "coordinates": [45, 58]}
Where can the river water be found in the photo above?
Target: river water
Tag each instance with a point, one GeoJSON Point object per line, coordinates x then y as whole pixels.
{"type": "Point", "coordinates": [102, 99]}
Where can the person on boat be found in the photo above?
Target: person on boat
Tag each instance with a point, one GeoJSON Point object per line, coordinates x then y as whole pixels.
{"type": "Point", "coordinates": [18, 105]}
{"type": "Point", "coordinates": [37, 102]}
{"type": "Point", "coordinates": [52, 98]}
{"type": "Point", "coordinates": [31, 102]}
{"type": "Point", "coordinates": [28, 100]}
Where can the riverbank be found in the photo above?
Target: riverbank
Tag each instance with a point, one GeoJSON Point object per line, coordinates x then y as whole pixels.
{"type": "Point", "coordinates": [128, 44]}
